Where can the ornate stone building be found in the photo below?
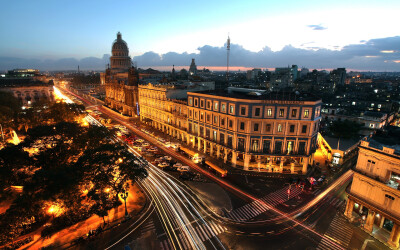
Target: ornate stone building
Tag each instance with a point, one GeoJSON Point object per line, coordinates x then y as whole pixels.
{"type": "Point", "coordinates": [375, 190]}
{"type": "Point", "coordinates": [121, 80]}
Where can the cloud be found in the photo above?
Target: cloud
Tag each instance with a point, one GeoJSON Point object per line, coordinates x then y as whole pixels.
{"type": "Point", "coordinates": [316, 27]}
{"type": "Point", "coordinates": [364, 56]}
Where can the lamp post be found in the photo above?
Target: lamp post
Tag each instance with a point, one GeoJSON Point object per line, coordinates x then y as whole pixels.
{"type": "Point", "coordinates": [124, 196]}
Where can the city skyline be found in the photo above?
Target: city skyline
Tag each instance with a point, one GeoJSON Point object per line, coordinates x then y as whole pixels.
{"type": "Point", "coordinates": [354, 35]}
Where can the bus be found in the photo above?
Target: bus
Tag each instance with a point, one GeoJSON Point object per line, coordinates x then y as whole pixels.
{"type": "Point", "coordinates": [218, 170]}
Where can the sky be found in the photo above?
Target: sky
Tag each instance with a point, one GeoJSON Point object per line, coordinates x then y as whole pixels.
{"type": "Point", "coordinates": [362, 35]}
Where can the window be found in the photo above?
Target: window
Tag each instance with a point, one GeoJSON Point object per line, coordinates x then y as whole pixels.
{"type": "Point", "coordinates": [230, 141]}
{"type": "Point", "coordinates": [241, 144]}
{"type": "Point", "coordinates": [230, 123]}
{"type": "Point", "coordinates": [257, 112]}
{"type": "Point", "coordinates": [268, 128]}
{"type": "Point", "coordinates": [201, 115]}
{"type": "Point", "coordinates": [209, 104]}
{"type": "Point", "coordinates": [315, 126]}
{"type": "Point", "coordinates": [195, 115]}
{"type": "Point", "coordinates": [267, 146]}
{"type": "Point", "coordinates": [221, 138]}
{"type": "Point", "coordinates": [304, 129]}
{"type": "Point", "coordinates": [215, 119]}
{"type": "Point", "coordinates": [190, 113]}
{"type": "Point", "coordinates": [243, 111]}
{"type": "Point", "coordinates": [256, 127]}
{"type": "Point", "coordinates": [269, 112]}
{"type": "Point", "coordinates": [201, 131]}
{"type": "Point", "coordinates": [254, 145]}
{"type": "Point", "coordinates": [208, 133]}
{"type": "Point", "coordinates": [306, 113]}
{"type": "Point", "coordinates": [195, 102]}
{"type": "Point", "coordinates": [291, 128]}
{"type": "Point", "coordinates": [214, 135]}
{"type": "Point", "coordinates": [216, 106]}
{"type": "Point", "coordinates": [190, 101]}
{"type": "Point", "coordinates": [289, 147]}
{"type": "Point", "coordinates": [222, 122]}
{"type": "Point", "coordinates": [223, 107]}
{"type": "Point", "coordinates": [231, 109]}
{"type": "Point", "coordinates": [281, 112]}
{"type": "Point", "coordinates": [279, 127]}
{"type": "Point", "coordinates": [242, 125]}
{"type": "Point", "coordinates": [302, 148]}
{"type": "Point", "coordinates": [370, 165]}
{"type": "Point", "coordinates": [278, 147]}
{"type": "Point", "coordinates": [294, 112]}
{"type": "Point", "coordinates": [208, 118]}
{"type": "Point", "coordinates": [202, 103]}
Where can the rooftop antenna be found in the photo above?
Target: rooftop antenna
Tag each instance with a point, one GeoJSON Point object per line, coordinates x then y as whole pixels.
{"type": "Point", "coordinates": [228, 49]}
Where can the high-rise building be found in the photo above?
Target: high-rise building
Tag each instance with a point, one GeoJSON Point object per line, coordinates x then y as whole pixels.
{"type": "Point", "coordinates": [338, 77]}
{"type": "Point", "coordinates": [375, 190]}
{"type": "Point", "coordinates": [121, 80]}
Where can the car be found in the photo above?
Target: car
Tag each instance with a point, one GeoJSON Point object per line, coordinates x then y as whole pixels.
{"type": "Point", "coordinates": [145, 144]}
{"type": "Point", "coordinates": [183, 169]}
{"type": "Point", "coordinates": [178, 165]}
{"type": "Point", "coordinates": [159, 159]}
{"type": "Point", "coordinates": [163, 164]}
{"type": "Point", "coordinates": [153, 149]}
{"type": "Point", "coordinates": [168, 158]}
{"type": "Point", "coordinates": [139, 140]}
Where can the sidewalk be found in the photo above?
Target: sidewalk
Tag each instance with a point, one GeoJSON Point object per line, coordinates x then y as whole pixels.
{"type": "Point", "coordinates": [135, 202]}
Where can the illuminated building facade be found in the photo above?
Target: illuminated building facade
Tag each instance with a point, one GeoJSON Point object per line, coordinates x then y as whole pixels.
{"type": "Point", "coordinates": [375, 190]}
{"type": "Point", "coordinates": [27, 85]}
{"type": "Point", "coordinates": [121, 80]}
{"type": "Point", "coordinates": [252, 130]}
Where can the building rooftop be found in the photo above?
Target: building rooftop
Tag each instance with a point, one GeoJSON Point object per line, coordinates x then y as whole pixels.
{"type": "Point", "coordinates": [242, 93]}
{"type": "Point", "coordinates": [389, 138]}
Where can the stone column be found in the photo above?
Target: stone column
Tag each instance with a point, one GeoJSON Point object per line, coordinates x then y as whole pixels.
{"type": "Point", "coordinates": [382, 221]}
{"type": "Point", "coordinates": [281, 166]}
{"type": "Point", "coordinates": [305, 165]}
{"type": "Point", "coordinates": [226, 155]}
{"type": "Point", "coordinates": [369, 223]}
{"type": "Point", "coordinates": [234, 158]}
{"type": "Point", "coordinates": [218, 151]}
{"type": "Point", "coordinates": [188, 139]}
{"type": "Point", "coordinates": [205, 147]}
{"type": "Point", "coordinates": [246, 162]}
{"type": "Point", "coordinates": [292, 167]}
{"type": "Point", "coordinates": [349, 209]}
{"type": "Point", "coordinates": [198, 144]}
{"type": "Point", "coordinates": [394, 236]}
{"type": "Point", "coordinates": [211, 149]}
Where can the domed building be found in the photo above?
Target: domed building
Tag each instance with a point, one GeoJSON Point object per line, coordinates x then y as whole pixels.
{"type": "Point", "coordinates": [120, 60]}
{"type": "Point", "coordinates": [121, 80]}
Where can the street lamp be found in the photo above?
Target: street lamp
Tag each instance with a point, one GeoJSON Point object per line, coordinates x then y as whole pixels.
{"type": "Point", "coordinates": [124, 196]}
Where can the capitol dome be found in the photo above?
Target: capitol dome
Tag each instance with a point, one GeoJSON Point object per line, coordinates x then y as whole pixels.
{"type": "Point", "coordinates": [120, 60]}
{"type": "Point", "coordinates": [119, 47]}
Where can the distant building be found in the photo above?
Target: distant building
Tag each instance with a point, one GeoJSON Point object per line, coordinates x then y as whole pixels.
{"type": "Point", "coordinates": [193, 68]}
{"type": "Point", "coordinates": [28, 85]}
{"type": "Point", "coordinates": [252, 74]}
{"type": "Point", "coordinates": [338, 77]}
{"type": "Point", "coordinates": [121, 80]}
{"type": "Point", "coordinates": [284, 77]}
{"type": "Point", "coordinates": [375, 189]}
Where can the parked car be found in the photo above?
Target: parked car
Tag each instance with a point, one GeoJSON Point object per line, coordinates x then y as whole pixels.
{"type": "Point", "coordinates": [163, 164]}
{"type": "Point", "coordinates": [178, 165]}
{"type": "Point", "coordinates": [168, 158]}
{"type": "Point", "coordinates": [145, 144]}
{"type": "Point", "coordinates": [183, 168]}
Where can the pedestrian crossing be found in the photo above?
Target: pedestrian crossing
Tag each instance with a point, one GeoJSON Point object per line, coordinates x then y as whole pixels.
{"type": "Point", "coordinates": [257, 207]}
{"type": "Point", "coordinates": [334, 201]}
{"type": "Point", "coordinates": [205, 233]}
{"type": "Point", "coordinates": [338, 234]}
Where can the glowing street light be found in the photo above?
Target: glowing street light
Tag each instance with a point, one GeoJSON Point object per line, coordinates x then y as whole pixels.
{"type": "Point", "coordinates": [124, 196]}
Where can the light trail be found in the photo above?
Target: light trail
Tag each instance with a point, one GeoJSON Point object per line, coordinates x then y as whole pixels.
{"type": "Point", "coordinates": [289, 217]}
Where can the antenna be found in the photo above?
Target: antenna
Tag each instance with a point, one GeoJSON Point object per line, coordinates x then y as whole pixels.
{"type": "Point", "coordinates": [228, 48]}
